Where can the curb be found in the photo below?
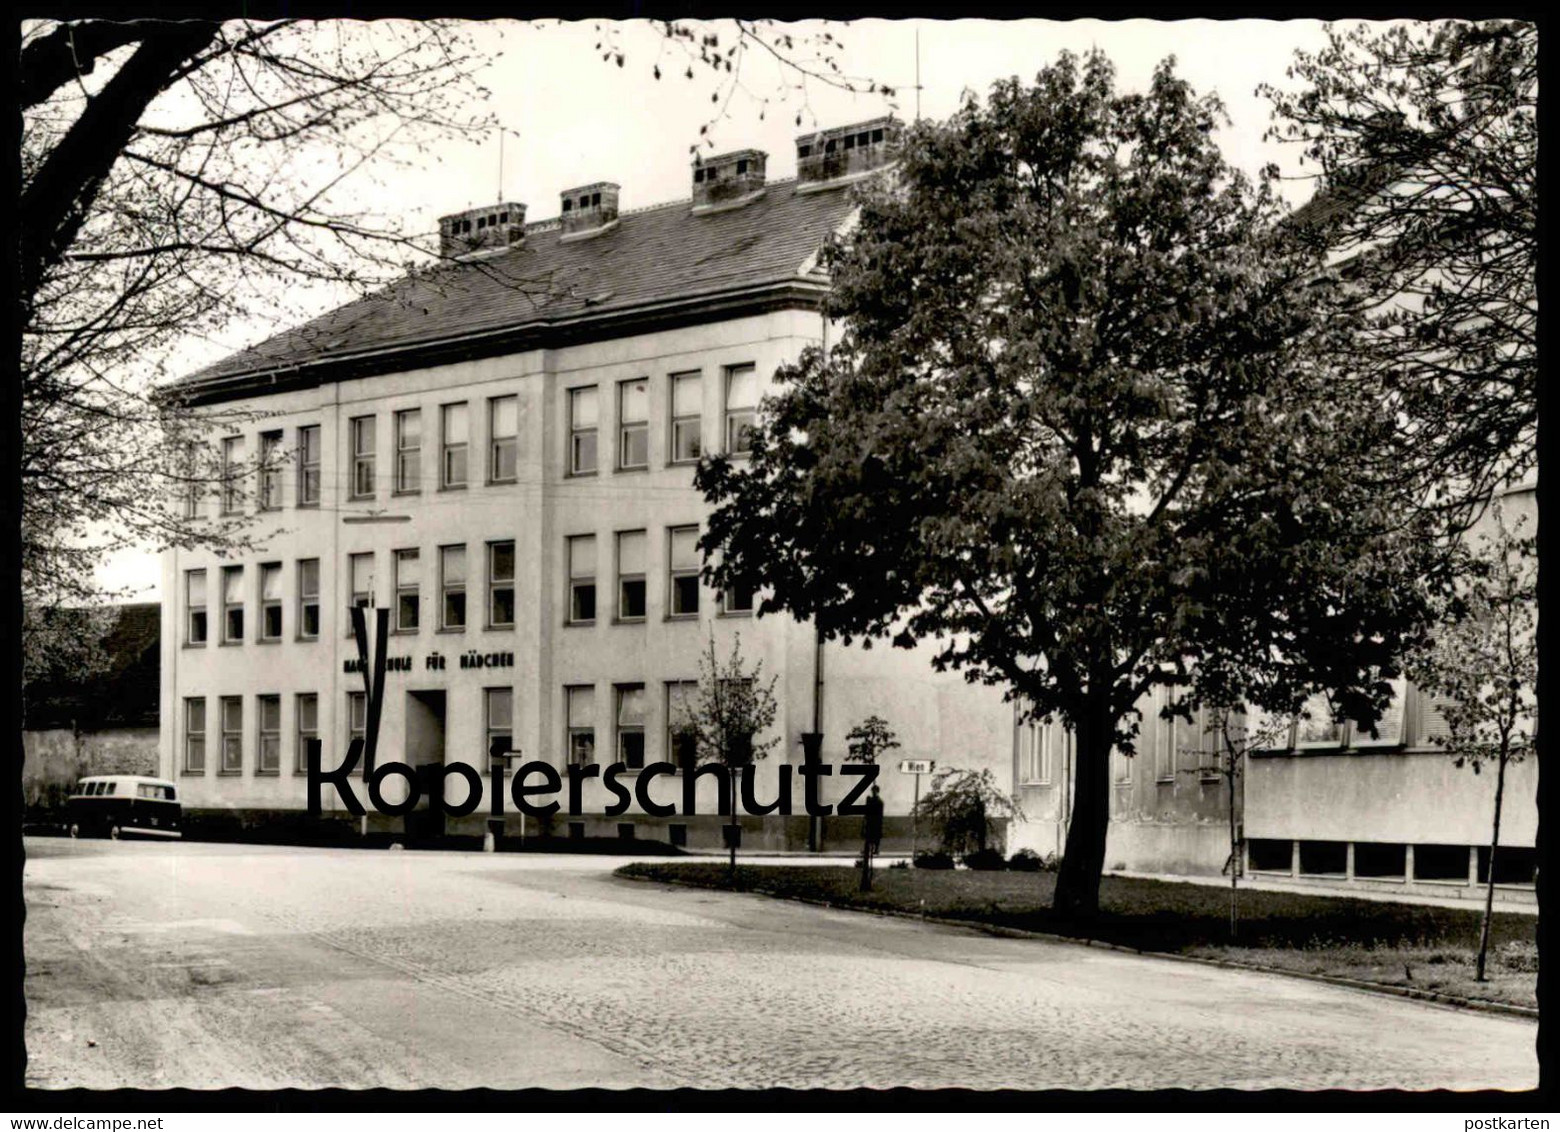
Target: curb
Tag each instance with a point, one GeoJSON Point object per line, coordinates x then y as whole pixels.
{"type": "Point", "coordinates": [1435, 997]}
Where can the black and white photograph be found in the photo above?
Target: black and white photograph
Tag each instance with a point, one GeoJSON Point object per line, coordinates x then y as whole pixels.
{"type": "Point", "coordinates": [777, 559]}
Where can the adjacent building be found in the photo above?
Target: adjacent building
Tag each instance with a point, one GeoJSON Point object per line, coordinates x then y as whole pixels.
{"type": "Point", "coordinates": [499, 452]}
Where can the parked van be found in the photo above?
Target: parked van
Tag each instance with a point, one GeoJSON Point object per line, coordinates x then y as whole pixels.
{"type": "Point", "coordinates": [115, 805]}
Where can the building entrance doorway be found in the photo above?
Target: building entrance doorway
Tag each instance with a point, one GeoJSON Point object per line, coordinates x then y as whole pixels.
{"type": "Point", "coordinates": [424, 746]}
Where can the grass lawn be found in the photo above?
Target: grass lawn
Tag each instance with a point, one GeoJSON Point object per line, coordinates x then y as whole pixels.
{"type": "Point", "coordinates": [1409, 945]}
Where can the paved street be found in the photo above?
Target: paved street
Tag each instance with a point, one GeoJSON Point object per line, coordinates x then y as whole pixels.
{"type": "Point", "coordinates": [205, 965]}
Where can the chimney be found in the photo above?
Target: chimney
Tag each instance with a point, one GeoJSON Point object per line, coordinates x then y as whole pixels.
{"type": "Point", "coordinates": [588, 208]}
{"type": "Point", "coordinates": [728, 180]}
{"type": "Point", "coordinates": [845, 153]}
{"type": "Point", "coordinates": [479, 229]}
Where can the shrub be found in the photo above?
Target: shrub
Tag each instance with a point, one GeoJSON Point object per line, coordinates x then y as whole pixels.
{"type": "Point", "coordinates": [963, 807]}
{"type": "Point", "coordinates": [986, 860]}
{"type": "Point", "coordinates": [1519, 955]}
{"type": "Point", "coordinates": [937, 860]}
{"type": "Point", "coordinates": [1026, 861]}
{"type": "Point", "coordinates": [900, 864]}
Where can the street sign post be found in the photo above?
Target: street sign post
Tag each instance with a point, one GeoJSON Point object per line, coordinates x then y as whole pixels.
{"type": "Point", "coordinates": [917, 767]}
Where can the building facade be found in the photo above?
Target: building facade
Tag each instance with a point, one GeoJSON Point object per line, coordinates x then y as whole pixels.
{"type": "Point", "coordinates": [499, 452]}
{"type": "Point", "coordinates": [1325, 803]}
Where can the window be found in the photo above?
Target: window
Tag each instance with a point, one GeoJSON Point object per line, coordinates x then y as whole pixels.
{"type": "Point", "coordinates": [452, 587]}
{"type": "Point", "coordinates": [408, 450]}
{"type": "Point", "coordinates": [270, 601]}
{"type": "Point", "coordinates": [580, 716]}
{"type": "Point", "coordinates": [741, 402]}
{"type": "Point", "coordinates": [630, 725]}
{"type": "Point", "coordinates": [232, 475]}
{"type": "Point", "coordinates": [582, 578]}
{"type": "Point", "coordinates": [501, 584]}
{"type": "Point", "coordinates": [309, 597]}
{"type": "Point", "coordinates": [309, 466]}
{"type": "Point", "coordinates": [195, 606]}
{"type": "Point", "coordinates": [1040, 744]}
{"type": "Point", "coordinates": [1123, 766]}
{"type": "Point", "coordinates": [634, 424]}
{"type": "Point", "coordinates": [1164, 737]}
{"type": "Point", "coordinates": [682, 697]}
{"type": "Point", "coordinates": [195, 735]}
{"type": "Point", "coordinates": [582, 431]}
{"type": "Point", "coordinates": [737, 600]}
{"type": "Point", "coordinates": [503, 431]}
{"type": "Point", "coordinates": [687, 416]}
{"type": "Point", "coordinates": [232, 735]}
{"type": "Point", "coordinates": [191, 473]}
{"type": "Point", "coordinates": [684, 571]}
{"type": "Point", "coordinates": [362, 457]}
{"type": "Point", "coordinates": [270, 734]}
{"type": "Point", "coordinates": [362, 569]}
{"type": "Point", "coordinates": [232, 604]}
{"type": "Point", "coordinates": [357, 719]}
{"type": "Point", "coordinates": [408, 601]}
{"type": "Point", "coordinates": [270, 471]}
{"type": "Point", "coordinates": [454, 433]}
{"type": "Point", "coordinates": [308, 711]}
{"type": "Point", "coordinates": [498, 709]}
{"type": "Point", "coordinates": [631, 575]}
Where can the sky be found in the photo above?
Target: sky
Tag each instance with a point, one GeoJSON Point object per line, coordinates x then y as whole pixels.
{"type": "Point", "coordinates": [570, 118]}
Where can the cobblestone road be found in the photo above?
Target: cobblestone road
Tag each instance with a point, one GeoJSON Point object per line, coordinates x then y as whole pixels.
{"type": "Point", "coordinates": [203, 965]}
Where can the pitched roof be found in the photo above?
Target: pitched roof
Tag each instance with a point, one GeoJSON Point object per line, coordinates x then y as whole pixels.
{"type": "Point", "coordinates": [530, 293]}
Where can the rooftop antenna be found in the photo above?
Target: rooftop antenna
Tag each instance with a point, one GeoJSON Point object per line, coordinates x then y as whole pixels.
{"type": "Point", "coordinates": [918, 73]}
{"type": "Point", "coordinates": [500, 164]}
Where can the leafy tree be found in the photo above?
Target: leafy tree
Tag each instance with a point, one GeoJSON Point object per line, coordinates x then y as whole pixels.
{"type": "Point", "coordinates": [1483, 660]}
{"type": "Point", "coordinates": [869, 739]}
{"type": "Point", "coordinates": [1426, 136]}
{"type": "Point", "coordinates": [963, 807]}
{"type": "Point", "coordinates": [1080, 430]}
{"type": "Point", "coordinates": [722, 721]}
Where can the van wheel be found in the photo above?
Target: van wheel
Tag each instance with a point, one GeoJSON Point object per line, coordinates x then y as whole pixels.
{"type": "Point", "coordinates": [74, 831]}
{"type": "Point", "coordinates": [113, 832]}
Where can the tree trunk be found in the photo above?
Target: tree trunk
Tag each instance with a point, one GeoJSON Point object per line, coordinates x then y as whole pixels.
{"type": "Point", "coordinates": [1078, 880]}
{"type": "Point", "coordinates": [1489, 888]}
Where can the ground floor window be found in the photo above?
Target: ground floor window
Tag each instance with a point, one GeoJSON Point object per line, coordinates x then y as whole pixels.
{"type": "Point", "coordinates": [631, 725]}
{"type": "Point", "coordinates": [308, 711]}
{"type": "Point", "coordinates": [195, 734]}
{"type": "Point", "coordinates": [499, 713]}
{"type": "Point", "coordinates": [270, 726]}
{"type": "Point", "coordinates": [232, 735]}
{"type": "Point", "coordinates": [580, 719]}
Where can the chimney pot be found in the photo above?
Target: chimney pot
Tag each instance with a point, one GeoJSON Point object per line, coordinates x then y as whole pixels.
{"type": "Point", "coordinates": [845, 153]}
{"type": "Point", "coordinates": [588, 207]}
{"type": "Point", "coordinates": [477, 229]}
{"type": "Point", "coordinates": [728, 178]}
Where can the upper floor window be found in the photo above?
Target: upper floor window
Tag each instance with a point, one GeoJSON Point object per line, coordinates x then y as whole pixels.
{"type": "Point", "coordinates": [232, 475]}
{"type": "Point", "coordinates": [308, 597]}
{"type": "Point", "coordinates": [452, 585]}
{"type": "Point", "coordinates": [408, 599]}
{"type": "Point", "coordinates": [687, 416]}
{"type": "Point", "coordinates": [503, 436]}
{"type": "Point", "coordinates": [362, 457]}
{"type": "Point", "coordinates": [191, 473]}
{"type": "Point", "coordinates": [741, 404]}
{"type": "Point", "coordinates": [309, 466]}
{"type": "Point", "coordinates": [454, 426]}
{"type": "Point", "coordinates": [195, 606]}
{"type": "Point", "coordinates": [408, 450]}
{"type": "Point", "coordinates": [232, 604]}
{"type": "Point", "coordinates": [737, 600]}
{"type": "Point", "coordinates": [501, 585]}
{"type": "Point", "coordinates": [271, 601]}
{"type": "Point", "coordinates": [631, 575]}
{"type": "Point", "coordinates": [361, 567]}
{"type": "Point", "coordinates": [582, 578]}
{"type": "Point", "coordinates": [270, 471]}
{"type": "Point", "coordinates": [582, 431]}
{"type": "Point", "coordinates": [634, 424]}
{"type": "Point", "coordinates": [684, 556]}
